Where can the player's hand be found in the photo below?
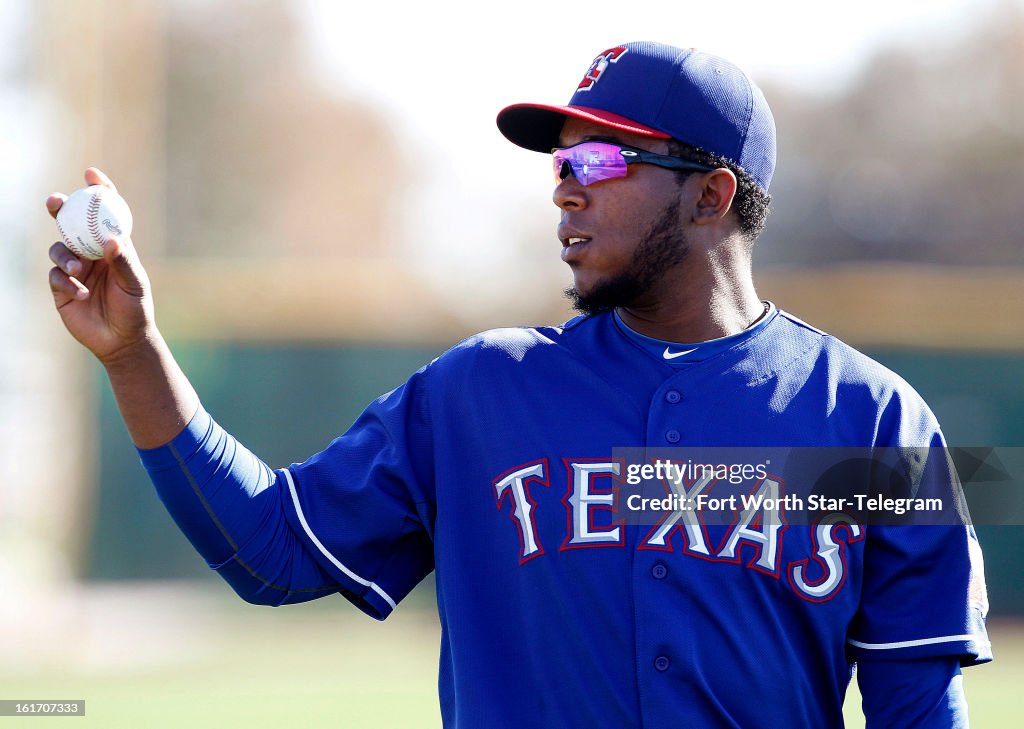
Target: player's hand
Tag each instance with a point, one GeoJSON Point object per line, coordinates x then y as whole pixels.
{"type": "Point", "coordinates": [105, 304]}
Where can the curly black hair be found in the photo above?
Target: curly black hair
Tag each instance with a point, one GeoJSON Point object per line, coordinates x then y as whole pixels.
{"type": "Point", "coordinates": [751, 202]}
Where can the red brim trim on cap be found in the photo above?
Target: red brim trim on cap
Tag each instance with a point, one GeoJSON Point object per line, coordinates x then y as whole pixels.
{"type": "Point", "coordinates": [537, 126]}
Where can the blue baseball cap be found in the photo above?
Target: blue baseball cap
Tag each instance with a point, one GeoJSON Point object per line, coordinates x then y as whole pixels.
{"type": "Point", "coordinates": [661, 91]}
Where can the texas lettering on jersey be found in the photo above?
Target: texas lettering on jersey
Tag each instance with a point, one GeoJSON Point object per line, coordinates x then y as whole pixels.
{"type": "Point", "coordinates": [592, 498]}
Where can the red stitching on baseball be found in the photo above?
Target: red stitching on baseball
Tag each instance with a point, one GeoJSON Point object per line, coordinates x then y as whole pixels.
{"type": "Point", "coordinates": [92, 218]}
{"type": "Point", "coordinates": [67, 241]}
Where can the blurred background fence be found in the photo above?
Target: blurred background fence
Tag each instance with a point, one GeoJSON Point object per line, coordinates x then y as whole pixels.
{"type": "Point", "coordinates": [324, 205]}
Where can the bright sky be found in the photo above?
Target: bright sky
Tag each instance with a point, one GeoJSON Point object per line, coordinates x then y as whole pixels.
{"type": "Point", "coordinates": [444, 69]}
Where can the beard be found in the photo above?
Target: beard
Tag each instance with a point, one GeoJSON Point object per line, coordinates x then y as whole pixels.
{"type": "Point", "coordinates": [663, 246]}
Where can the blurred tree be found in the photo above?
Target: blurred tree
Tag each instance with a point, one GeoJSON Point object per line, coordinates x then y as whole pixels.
{"type": "Point", "coordinates": [261, 158]}
{"type": "Point", "coordinates": [920, 159]}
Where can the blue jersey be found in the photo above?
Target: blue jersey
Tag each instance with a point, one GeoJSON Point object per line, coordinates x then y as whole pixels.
{"type": "Point", "coordinates": [492, 466]}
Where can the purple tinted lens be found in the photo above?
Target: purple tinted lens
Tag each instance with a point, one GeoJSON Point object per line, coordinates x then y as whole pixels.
{"type": "Point", "coordinates": [591, 162]}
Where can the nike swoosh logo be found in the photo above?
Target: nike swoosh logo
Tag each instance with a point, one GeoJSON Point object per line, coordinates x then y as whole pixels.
{"type": "Point", "coordinates": [673, 355]}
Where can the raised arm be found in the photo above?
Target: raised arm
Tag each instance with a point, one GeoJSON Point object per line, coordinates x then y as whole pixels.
{"type": "Point", "coordinates": [107, 305]}
{"type": "Point", "coordinates": [226, 501]}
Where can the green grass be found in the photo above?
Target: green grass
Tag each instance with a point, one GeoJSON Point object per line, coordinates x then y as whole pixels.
{"type": "Point", "coordinates": [310, 665]}
{"type": "Point", "coordinates": [157, 660]}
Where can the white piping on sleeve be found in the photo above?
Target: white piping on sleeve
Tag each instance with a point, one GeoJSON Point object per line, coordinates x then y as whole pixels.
{"type": "Point", "coordinates": [309, 532]}
{"type": "Point", "coordinates": [923, 641]}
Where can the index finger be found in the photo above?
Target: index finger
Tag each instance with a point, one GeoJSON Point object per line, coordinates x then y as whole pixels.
{"type": "Point", "coordinates": [96, 176]}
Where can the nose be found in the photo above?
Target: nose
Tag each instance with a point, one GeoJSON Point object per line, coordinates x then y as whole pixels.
{"type": "Point", "coordinates": [569, 194]}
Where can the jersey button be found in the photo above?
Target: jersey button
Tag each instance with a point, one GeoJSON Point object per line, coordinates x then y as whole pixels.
{"type": "Point", "coordinates": [662, 663]}
{"type": "Point", "coordinates": [672, 436]}
{"type": "Point", "coordinates": [659, 571]}
{"type": "Point", "coordinates": [673, 396]}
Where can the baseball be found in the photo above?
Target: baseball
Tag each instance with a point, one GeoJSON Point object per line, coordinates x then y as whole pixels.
{"type": "Point", "coordinates": [90, 217]}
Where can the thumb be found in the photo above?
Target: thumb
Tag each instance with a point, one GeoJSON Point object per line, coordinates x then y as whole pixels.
{"type": "Point", "coordinates": [124, 264]}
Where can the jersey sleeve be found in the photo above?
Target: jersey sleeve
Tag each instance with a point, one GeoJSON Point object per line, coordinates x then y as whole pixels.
{"type": "Point", "coordinates": [228, 503]}
{"type": "Point", "coordinates": [923, 596]}
{"type": "Point", "coordinates": [923, 591]}
{"type": "Point", "coordinates": [365, 504]}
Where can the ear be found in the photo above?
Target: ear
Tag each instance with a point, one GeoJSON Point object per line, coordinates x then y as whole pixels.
{"type": "Point", "coordinates": [716, 192]}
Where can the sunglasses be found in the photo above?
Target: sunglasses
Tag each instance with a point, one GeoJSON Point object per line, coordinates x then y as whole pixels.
{"type": "Point", "coordinates": [591, 162]}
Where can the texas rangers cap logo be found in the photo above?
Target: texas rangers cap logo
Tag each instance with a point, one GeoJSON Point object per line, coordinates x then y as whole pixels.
{"type": "Point", "coordinates": [599, 66]}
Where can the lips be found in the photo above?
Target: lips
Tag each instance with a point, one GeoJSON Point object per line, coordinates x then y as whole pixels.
{"type": "Point", "coordinates": [574, 242]}
{"type": "Point", "coordinates": [573, 248]}
{"type": "Point", "coordinates": [571, 237]}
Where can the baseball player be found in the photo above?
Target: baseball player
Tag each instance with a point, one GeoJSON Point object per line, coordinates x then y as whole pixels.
{"type": "Point", "coordinates": [495, 466]}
